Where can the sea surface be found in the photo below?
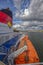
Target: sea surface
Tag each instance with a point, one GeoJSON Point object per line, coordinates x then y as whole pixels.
{"type": "Point", "coordinates": [37, 40]}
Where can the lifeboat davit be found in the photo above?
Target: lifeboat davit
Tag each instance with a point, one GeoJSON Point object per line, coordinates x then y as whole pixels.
{"type": "Point", "coordinates": [28, 56]}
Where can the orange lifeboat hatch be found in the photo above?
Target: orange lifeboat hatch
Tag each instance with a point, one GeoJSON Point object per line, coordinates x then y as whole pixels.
{"type": "Point", "coordinates": [28, 56]}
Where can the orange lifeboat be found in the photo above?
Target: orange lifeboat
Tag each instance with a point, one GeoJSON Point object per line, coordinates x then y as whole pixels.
{"type": "Point", "coordinates": [28, 56]}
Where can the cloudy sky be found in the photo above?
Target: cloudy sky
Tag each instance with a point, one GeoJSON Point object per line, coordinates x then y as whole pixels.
{"type": "Point", "coordinates": [25, 10]}
{"type": "Point", "coordinates": [33, 11]}
{"type": "Point", "coordinates": [16, 6]}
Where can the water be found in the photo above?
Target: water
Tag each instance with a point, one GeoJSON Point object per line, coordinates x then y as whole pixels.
{"type": "Point", "coordinates": [37, 40]}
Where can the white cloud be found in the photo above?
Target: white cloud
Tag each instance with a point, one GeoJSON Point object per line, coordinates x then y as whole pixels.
{"type": "Point", "coordinates": [17, 14]}
{"type": "Point", "coordinates": [36, 8]}
{"type": "Point", "coordinates": [25, 23]}
{"type": "Point", "coordinates": [29, 26]}
{"type": "Point", "coordinates": [36, 28]}
{"type": "Point", "coordinates": [17, 3]}
{"type": "Point", "coordinates": [34, 11]}
{"type": "Point", "coordinates": [26, 12]}
{"type": "Point", "coordinates": [16, 26]}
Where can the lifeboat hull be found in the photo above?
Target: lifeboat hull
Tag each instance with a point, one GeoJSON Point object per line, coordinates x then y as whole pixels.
{"type": "Point", "coordinates": [29, 56]}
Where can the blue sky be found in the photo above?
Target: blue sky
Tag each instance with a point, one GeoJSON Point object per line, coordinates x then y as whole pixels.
{"type": "Point", "coordinates": [13, 7]}
{"type": "Point", "coordinates": [23, 10]}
